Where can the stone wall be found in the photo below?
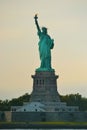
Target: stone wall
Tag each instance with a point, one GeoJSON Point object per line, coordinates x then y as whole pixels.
{"type": "Point", "coordinates": [7, 116]}
{"type": "Point", "coordinates": [49, 116]}
{"type": "Point", "coordinates": [26, 116]}
{"type": "Point", "coordinates": [2, 116]}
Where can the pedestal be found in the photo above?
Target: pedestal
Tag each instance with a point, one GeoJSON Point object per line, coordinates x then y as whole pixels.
{"type": "Point", "coordinates": [45, 87]}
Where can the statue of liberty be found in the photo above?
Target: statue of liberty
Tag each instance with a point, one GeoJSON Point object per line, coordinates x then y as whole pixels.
{"type": "Point", "coordinates": [45, 45]}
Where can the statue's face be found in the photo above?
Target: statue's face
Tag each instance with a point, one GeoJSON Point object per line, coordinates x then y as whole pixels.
{"type": "Point", "coordinates": [44, 30]}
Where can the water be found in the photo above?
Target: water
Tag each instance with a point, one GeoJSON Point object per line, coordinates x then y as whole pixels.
{"type": "Point", "coordinates": [43, 129]}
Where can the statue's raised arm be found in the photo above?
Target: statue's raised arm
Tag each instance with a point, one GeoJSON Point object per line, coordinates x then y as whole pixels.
{"type": "Point", "coordinates": [36, 22]}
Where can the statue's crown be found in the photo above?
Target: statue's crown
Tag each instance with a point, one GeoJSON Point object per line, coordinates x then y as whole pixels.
{"type": "Point", "coordinates": [44, 28]}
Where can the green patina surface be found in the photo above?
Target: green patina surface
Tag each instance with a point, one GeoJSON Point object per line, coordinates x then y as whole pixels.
{"type": "Point", "coordinates": [45, 45]}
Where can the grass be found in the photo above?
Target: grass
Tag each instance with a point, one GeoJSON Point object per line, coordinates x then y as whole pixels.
{"type": "Point", "coordinates": [43, 125]}
{"type": "Point", "coordinates": [60, 123]}
{"type": "Point", "coordinates": [47, 123]}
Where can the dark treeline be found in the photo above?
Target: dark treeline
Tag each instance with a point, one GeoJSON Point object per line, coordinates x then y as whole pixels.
{"type": "Point", "coordinates": [6, 104]}
{"type": "Point", "coordinates": [75, 100]}
{"type": "Point", "coordinates": [71, 100]}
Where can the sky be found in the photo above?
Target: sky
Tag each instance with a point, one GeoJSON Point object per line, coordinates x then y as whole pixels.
{"type": "Point", "coordinates": [66, 21]}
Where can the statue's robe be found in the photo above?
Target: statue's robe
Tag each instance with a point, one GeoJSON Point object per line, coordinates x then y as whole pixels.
{"type": "Point", "coordinates": [45, 46]}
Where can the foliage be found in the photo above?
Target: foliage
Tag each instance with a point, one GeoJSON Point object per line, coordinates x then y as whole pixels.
{"type": "Point", "coordinates": [71, 100]}
{"type": "Point", "coordinates": [75, 100]}
{"type": "Point", "coordinates": [6, 104]}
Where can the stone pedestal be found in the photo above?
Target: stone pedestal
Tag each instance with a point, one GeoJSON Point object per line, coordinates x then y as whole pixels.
{"type": "Point", "coordinates": [45, 87]}
{"type": "Point", "coordinates": [45, 97]}
{"type": "Point", "coordinates": [45, 104]}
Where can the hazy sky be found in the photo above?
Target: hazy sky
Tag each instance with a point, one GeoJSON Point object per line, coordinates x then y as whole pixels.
{"type": "Point", "coordinates": [66, 21]}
